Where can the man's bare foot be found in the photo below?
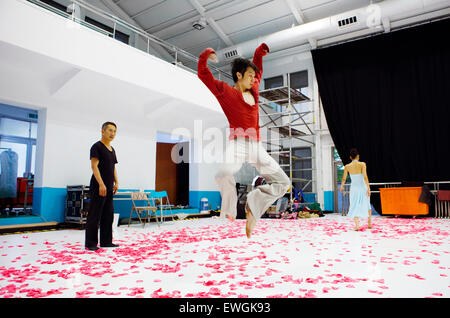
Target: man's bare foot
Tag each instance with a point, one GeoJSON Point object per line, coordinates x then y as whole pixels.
{"type": "Point", "coordinates": [251, 221]}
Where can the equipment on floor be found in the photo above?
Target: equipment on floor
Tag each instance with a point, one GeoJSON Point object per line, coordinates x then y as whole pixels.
{"type": "Point", "coordinates": [77, 204]}
{"type": "Point", "coordinates": [204, 206]}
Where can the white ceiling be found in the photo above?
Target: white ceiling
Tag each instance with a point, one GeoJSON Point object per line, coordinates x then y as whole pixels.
{"type": "Point", "coordinates": [239, 20]}
{"type": "Point", "coordinates": [230, 21]}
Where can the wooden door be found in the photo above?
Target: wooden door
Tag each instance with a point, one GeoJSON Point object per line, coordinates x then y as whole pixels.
{"type": "Point", "coordinates": [166, 171]}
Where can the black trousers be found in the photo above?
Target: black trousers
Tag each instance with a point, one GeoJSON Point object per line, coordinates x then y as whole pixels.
{"type": "Point", "coordinates": [100, 215]}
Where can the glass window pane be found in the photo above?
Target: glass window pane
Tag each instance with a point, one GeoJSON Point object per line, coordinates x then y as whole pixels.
{"type": "Point", "coordinates": [21, 150]}
{"type": "Point", "coordinates": [34, 130]}
{"type": "Point", "coordinates": [299, 79]}
{"type": "Point", "coordinates": [12, 127]}
{"type": "Point", "coordinates": [55, 5]}
{"type": "Point", "coordinates": [273, 82]}
{"type": "Point", "coordinates": [303, 152]}
{"type": "Point", "coordinates": [299, 165]}
{"type": "Point", "coordinates": [33, 158]}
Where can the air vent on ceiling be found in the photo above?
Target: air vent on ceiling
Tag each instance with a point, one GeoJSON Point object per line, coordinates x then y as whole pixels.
{"type": "Point", "coordinates": [231, 54]}
{"type": "Point", "coordinates": [347, 21]}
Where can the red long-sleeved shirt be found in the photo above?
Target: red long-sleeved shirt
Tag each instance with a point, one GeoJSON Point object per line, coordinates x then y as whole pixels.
{"type": "Point", "coordinates": [242, 117]}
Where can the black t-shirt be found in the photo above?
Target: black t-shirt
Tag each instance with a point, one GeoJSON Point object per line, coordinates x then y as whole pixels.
{"type": "Point", "coordinates": [107, 160]}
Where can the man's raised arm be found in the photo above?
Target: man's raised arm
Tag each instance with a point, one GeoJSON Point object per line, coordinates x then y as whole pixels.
{"type": "Point", "coordinates": [260, 51]}
{"type": "Point", "coordinates": [203, 72]}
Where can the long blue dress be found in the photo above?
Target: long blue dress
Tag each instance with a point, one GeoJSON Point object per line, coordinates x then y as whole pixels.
{"type": "Point", "coordinates": [359, 201]}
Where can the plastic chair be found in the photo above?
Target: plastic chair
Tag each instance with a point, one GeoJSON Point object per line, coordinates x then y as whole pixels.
{"type": "Point", "coordinates": [162, 206]}
{"type": "Point", "coordinates": [142, 210]}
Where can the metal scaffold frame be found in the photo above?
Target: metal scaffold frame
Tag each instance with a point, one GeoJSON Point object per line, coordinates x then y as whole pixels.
{"type": "Point", "coordinates": [286, 97]}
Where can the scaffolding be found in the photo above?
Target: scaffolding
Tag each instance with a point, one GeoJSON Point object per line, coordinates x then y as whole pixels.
{"type": "Point", "coordinates": [295, 127]}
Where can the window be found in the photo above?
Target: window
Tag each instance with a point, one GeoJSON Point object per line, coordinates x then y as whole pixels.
{"type": "Point", "coordinates": [119, 35]}
{"type": "Point", "coordinates": [12, 127]}
{"type": "Point", "coordinates": [339, 166]}
{"type": "Point", "coordinates": [301, 168]}
{"type": "Point", "coordinates": [122, 37]}
{"type": "Point", "coordinates": [273, 82]}
{"type": "Point", "coordinates": [55, 5]}
{"type": "Point", "coordinates": [299, 80]}
{"type": "Point", "coordinates": [21, 150]}
{"type": "Point", "coordinates": [33, 130]}
{"type": "Point", "coordinates": [20, 136]}
{"type": "Point", "coordinates": [33, 159]}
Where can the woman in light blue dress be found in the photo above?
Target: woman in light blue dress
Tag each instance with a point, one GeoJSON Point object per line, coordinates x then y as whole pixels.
{"type": "Point", "coordinates": [359, 189]}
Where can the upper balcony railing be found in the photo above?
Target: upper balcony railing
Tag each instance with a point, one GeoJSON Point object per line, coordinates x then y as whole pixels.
{"type": "Point", "coordinates": [81, 12]}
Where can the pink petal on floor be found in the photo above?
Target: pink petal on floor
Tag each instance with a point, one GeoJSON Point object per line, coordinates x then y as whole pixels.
{"type": "Point", "coordinates": [415, 276]}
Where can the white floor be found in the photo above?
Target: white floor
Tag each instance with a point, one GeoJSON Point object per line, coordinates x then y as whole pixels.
{"type": "Point", "coordinates": [210, 257]}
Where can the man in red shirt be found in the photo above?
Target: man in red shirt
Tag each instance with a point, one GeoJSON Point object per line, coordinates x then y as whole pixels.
{"type": "Point", "coordinates": [240, 105]}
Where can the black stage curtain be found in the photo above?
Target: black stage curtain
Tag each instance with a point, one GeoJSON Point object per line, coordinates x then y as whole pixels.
{"type": "Point", "coordinates": [389, 97]}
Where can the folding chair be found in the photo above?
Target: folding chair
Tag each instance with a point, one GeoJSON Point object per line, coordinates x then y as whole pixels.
{"type": "Point", "coordinates": [443, 204]}
{"type": "Point", "coordinates": [162, 206]}
{"type": "Point", "coordinates": [142, 210]}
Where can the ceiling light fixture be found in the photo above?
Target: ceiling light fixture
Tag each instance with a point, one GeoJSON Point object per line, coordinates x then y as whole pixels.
{"type": "Point", "coordinates": [200, 24]}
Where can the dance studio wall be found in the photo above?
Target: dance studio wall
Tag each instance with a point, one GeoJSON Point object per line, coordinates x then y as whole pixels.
{"type": "Point", "coordinates": [79, 78]}
{"type": "Point", "coordinates": [388, 96]}
{"type": "Point", "coordinates": [202, 175]}
{"type": "Point", "coordinates": [63, 145]}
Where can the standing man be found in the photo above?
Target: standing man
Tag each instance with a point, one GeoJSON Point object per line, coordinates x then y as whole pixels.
{"type": "Point", "coordinates": [104, 184]}
{"type": "Point", "coordinates": [240, 105]}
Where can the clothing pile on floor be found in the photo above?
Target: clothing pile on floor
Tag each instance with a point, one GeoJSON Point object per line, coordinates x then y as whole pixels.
{"type": "Point", "coordinates": [297, 212]}
{"type": "Point", "coordinates": [301, 213]}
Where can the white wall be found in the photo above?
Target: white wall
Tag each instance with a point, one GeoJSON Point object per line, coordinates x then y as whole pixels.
{"type": "Point", "coordinates": [29, 27]}
{"type": "Point", "coordinates": [67, 142]}
{"type": "Point", "coordinates": [78, 79]}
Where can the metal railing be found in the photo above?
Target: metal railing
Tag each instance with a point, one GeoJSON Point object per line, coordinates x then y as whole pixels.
{"type": "Point", "coordinates": [441, 208]}
{"type": "Point", "coordinates": [179, 56]}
